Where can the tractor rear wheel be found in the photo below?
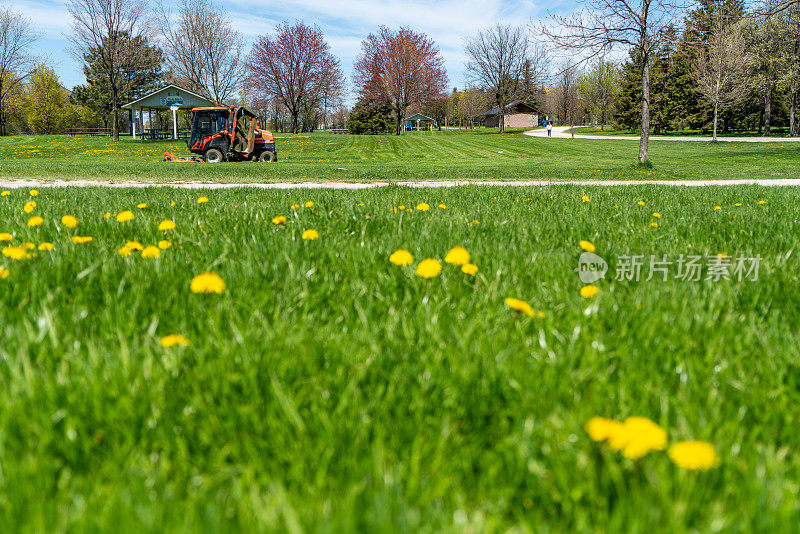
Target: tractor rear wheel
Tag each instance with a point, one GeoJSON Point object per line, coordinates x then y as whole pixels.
{"type": "Point", "coordinates": [267, 156]}
{"type": "Point", "coordinates": [213, 155]}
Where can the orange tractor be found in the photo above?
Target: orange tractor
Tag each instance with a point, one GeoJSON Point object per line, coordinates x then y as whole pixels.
{"type": "Point", "coordinates": [227, 134]}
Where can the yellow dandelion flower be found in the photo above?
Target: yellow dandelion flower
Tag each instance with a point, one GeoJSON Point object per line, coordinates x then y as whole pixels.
{"type": "Point", "coordinates": [28, 246]}
{"type": "Point", "coordinates": [694, 455]}
{"type": "Point", "coordinates": [142, 206]}
{"type": "Point", "coordinates": [5, 236]}
{"type": "Point", "coordinates": [654, 224]}
{"type": "Point", "coordinates": [587, 246]}
{"type": "Point", "coordinates": [134, 245]}
{"type": "Point", "coordinates": [125, 216]}
{"type": "Point", "coordinates": [69, 221]}
{"type": "Point", "coordinates": [310, 235]}
{"type": "Point", "coordinates": [207, 282]}
{"type": "Point", "coordinates": [401, 207]}
{"type": "Point", "coordinates": [762, 201]}
{"type": "Point", "coordinates": [173, 203]}
{"type": "Point", "coordinates": [442, 206]}
{"type": "Point", "coordinates": [79, 240]}
{"type": "Point", "coordinates": [540, 314]}
{"type": "Point", "coordinates": [585, 198]}
{"type": "Point", "coordinates": [151, 252]}
{"type": "Point", "coordinates": [738, 204]}
{"type": "Point", "coordinates": [5, 193]}
{"type": "Point", "coordinates": [29, 206]}
{"type": "Point", "coordinates": [45, 246]}
{"type": "Point", "coordinates": [423, 206]}
{"type": "Point", "coordinates": [638, 436]}
{"type": "Point", "coordinates": [174, 339]}
{"type": "Point", "coordinates": [202, 200]}
{"type": "Point", "coordinates": [309, 204]}
{"type": "Point", "coordinates": [15, 253]}
{"type": "Point", "coordinates": [473, 223]}
{"type": "Point", "coordinates": [279, 219]}
{"type": "Point", "coordinates": [4, 273]}
{"type": "Point", "coordinates": [641, 203]}
{"type": "Point", "coordinates": [106, 215]}
{"type": "Point", "coordinates": [124, 250]}
{"type": "Point", "coordinates": [35, 221]}
{"type": "Point", "coordinates": [166, 224]}
{"type": "Point", "coordinates": [520, 306]}
{"type": "Point", "coordinates": [470, 269]}
{"type": "Point", "coordinates": [294, 206]}
{"type": "Point", "coordinates": [401, 257]}
{"type": "Point", "coordinates": [717, 207]}
{"type": "Point", "coordinates": [164, 244]}
{"type": "Point", "coordinates": [656, 215]}
{"type": "Point", "coordinates": [34, 193]}
{"type": "Point", "coordinates": [589, 291]}
{"type": "Point", "coordinates": [602, 428]}
{"type": "Point", "coordinates": [429, 268]}
{"type": "Point", "coordinates": [457, 256]}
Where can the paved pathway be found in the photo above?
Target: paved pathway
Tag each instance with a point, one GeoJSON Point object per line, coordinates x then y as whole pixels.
{"type": "Point", "coordinates": [562, 132]}
{"type": "Point", "coordinates": [39, 184]}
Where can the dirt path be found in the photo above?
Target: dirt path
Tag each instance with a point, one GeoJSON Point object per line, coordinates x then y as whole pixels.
{"type": "Point", "coordinates": [39, 184]}
{"type": "Point", "coordinates": [562, 132]}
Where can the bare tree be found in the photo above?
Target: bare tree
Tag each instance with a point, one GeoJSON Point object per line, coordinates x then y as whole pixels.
{"type": "Point", "coordinates": [107, 28]}
{"type": "Point", "coordinates": [567, 85]}
{"type": "Point", "coordinates": [606, 24]}
{"type": "Point", "coordinates": [297, 68]}
{"type": "Point", "coordinates": [16, 63]}
{"type": "Point", "coordinates": [720, 68]}
{"type": "Point", "coordinates": [496, 61]}
{"type": "Point", "coordinates": [203, 49]}
{"type": "Point", "coordinates": [403, 67]}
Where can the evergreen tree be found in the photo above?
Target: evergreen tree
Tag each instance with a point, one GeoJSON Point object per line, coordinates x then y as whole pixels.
{"type": "Point", "coordinates": [366, 118]}
{"type": "Point", "coordinates": [135, 78]}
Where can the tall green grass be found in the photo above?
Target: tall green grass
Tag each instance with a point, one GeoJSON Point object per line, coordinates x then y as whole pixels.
{"type": "Point", "coordinates": [327, 390]}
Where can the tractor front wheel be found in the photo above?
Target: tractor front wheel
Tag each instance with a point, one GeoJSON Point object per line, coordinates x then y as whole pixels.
{"type": "Point", "coordinates": [213, 155]}
{"type": "Point", "coordinates": [267, 156]}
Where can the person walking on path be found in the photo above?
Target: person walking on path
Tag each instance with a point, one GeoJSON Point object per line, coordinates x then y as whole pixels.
{"type": "Point", "coordinates": [550, 129]}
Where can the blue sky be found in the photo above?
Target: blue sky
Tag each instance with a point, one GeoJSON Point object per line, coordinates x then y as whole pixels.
{"type": "Point", "coordinates": [345, 23]}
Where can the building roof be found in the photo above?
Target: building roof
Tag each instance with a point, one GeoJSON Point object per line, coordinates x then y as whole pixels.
{"type": "Point", "coordinates": [152, 100]}
{"type": "Point", "coordinates": [419, 117]}
{"type": "Point", "coordinates": [496, 110]}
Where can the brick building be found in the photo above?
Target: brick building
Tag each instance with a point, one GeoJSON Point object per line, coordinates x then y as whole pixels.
{"type": "Point", "coordinates": [517, 115]}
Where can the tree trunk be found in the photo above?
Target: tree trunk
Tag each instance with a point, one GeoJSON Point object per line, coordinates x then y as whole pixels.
{"type": "Point", "coordinates": [792, 115]}
{"type": "Point", "coordinates": [644, 135]}
{"type": "Point", "coordinates": [767, 110]}
{"type": "Point", "coordinates": [114, 122]}
{"type": "Point", "coordinates": [716, 111]}
{"type": "Point", "coordinates": [502, 120]}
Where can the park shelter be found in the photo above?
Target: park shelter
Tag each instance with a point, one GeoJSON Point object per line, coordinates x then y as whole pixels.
{"type": "Point", "coordinates": [517, 114]}
{"type": "Point", "coordinates": [145, 119]}
{"type": "Point", "coordinates": [419, 121]}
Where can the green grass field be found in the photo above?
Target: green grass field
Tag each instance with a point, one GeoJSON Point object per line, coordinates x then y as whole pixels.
{"type": "Point", "coordinates": [447, 155]}
{"type": "Point", "coordinates": [328, 390]}
{"type": "Point", "coordinates": [776, 132]}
